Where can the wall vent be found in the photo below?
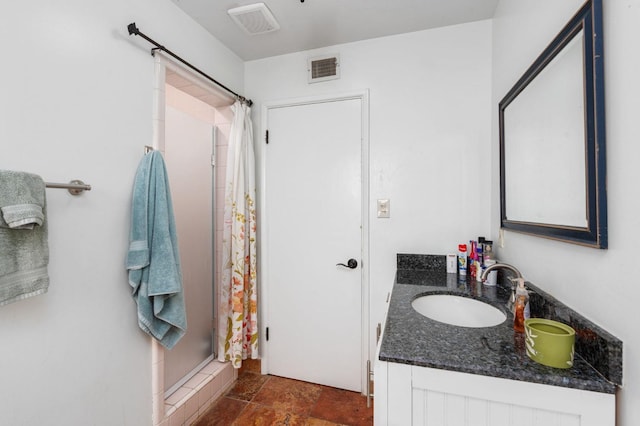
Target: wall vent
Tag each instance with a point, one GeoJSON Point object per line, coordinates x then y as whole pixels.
{"type": "Point", "coordinates": [254, 18]}
{"type": "Point", "coordinates": [323, 68]}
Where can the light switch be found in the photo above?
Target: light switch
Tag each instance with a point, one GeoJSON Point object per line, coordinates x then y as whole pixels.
{"type": "Point", "coordinates": [383, 208]}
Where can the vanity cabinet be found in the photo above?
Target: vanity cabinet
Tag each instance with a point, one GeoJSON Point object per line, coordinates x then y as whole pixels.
{"type": "Point", "coordinates": [431, 373]}
{"type": "Point", "coordinates": [411, 395]}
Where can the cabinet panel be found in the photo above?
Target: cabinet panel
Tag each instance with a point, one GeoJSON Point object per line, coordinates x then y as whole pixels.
{"type": "Point", "coordinates": [523, 415]}
{"type": "Point", "coordinates": [442, 409]}
{"type": "Point", "coordinates": [507, 402]}
{"type": "Point", "coordinates": [498, 414]}
{"type": "Point", "coordinates": [399, 398]}
{"type": "Point", "coordinates": [422, 396]}
{"type": "Point", "coordinates": [456, 409]}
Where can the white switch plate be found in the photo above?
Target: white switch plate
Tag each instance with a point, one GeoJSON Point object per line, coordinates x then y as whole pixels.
{"type": "Point", "coordinates": [383, 208]}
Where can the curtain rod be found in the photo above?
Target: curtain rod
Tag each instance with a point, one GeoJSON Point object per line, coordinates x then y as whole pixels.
{"type": "Point", "coordinates": [133, 29]}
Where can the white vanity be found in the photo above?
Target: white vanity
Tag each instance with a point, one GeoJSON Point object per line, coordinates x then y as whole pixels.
{"type": "Point", "coordinates": [410, 395]}
{"type": "Point", "coordinates": [435, 374]}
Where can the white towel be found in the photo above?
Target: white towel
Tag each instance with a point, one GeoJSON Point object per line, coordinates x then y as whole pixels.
{"type": "Point", "coordinates": [24, 249]}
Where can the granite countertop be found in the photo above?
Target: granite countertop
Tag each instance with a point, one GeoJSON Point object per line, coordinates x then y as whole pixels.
{"type": "Point", "coordinates": [410, 338]}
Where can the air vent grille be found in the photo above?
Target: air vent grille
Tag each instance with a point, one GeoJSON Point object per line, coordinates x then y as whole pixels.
{"type": "Point", "coordinates": [254, 18]}
{"type": "Point", "coordinates": [324, 68]}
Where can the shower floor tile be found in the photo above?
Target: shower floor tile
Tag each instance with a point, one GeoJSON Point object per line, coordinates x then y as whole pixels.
{"type": "Point", "coordinates": [270, 400]}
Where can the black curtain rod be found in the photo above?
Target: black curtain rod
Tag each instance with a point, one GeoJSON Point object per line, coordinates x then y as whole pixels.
{"type": "Point", "coordinates": [133, 29]}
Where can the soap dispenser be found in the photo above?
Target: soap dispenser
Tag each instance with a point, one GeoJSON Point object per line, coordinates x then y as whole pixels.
{"type": "Point", "coordinates": [521, 308]}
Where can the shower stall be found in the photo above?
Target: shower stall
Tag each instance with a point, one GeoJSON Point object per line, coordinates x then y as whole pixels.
{"type": "Point", "coordinates": [190, 141]}
{"type": "Point", "coordinates": [191, 125]}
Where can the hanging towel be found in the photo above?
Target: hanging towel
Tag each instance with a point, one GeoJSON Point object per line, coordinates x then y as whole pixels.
{"type": "Point", "coordinates": [24, 248]}
{"type": "Point", "coordinates": [153, 261]}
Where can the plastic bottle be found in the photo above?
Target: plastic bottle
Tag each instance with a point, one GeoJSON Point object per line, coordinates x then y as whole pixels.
{"type": "Point", "coordinates": [472, 259]}
{"type": "Point", "coordinates": [479, 250]}
{"type": "Point", "coordinates": [462, 259]}
{"type": "Point", "coordinates": [521, 309]}
{"type": "Point", "coordinates": [479, 262]}
{"type": "Point", "coordinates": [487, 251]}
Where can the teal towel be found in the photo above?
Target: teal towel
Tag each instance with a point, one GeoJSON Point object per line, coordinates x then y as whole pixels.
{"type": "Point", "coordinates": [24, 247]}
{"type": "Point", "coordinates": [153, 261]}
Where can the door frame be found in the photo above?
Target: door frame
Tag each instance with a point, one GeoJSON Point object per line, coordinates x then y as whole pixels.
{"type": "Point", "coordinates": [363, 96]}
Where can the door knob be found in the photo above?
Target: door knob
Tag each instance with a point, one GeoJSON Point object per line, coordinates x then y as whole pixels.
{"type": "Point", "coordinates": [351, 264]}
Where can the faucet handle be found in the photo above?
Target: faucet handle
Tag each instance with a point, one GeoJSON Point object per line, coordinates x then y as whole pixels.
{"type": "Point", "coordinates": [518, 282]}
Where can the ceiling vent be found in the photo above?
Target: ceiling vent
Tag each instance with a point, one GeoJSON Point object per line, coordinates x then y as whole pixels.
{"type": "Point", "coordinates": [254, 18]}
{"type": "Point", "coordinates": [323, 68]}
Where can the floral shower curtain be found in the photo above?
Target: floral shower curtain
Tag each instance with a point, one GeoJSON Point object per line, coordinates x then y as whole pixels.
{"type": "Point", "coordinates": [238, 308]}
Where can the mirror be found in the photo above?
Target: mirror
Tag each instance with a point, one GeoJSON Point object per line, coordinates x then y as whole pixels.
{"type": "Point", "coordinates": [552, 139]}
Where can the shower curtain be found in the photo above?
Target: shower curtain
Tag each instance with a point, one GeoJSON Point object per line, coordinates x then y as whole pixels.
{"type": "Point", "coordinates": [238, 308]}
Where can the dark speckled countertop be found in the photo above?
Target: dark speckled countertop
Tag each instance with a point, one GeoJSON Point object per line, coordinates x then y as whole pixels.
{"type": "Point", "coordinates": [410, 338]}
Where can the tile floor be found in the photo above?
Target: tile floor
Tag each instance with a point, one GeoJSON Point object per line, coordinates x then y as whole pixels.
{"type": "Point", "coordinates": [270, 400]}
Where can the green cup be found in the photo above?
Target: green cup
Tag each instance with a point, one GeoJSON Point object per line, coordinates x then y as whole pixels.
{"type": "Point", "coordinates": [549, 342]}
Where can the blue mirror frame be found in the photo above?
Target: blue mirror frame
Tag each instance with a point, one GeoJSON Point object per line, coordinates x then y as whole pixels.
{"type": "Point", "coordinates": [594, 234]}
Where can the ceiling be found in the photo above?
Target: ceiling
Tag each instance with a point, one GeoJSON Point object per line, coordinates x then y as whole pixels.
{"type": "Point", "coordinates": [318, 23]}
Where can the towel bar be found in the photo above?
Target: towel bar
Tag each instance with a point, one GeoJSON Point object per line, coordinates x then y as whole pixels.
{"type": "Point", "coordinates": [75, 187]}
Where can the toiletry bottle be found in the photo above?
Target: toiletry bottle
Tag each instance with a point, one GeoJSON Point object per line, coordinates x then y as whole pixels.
{"type": "Point", "coordinates": [479, 250]}
{"type": "Point", "coordinates": [479, 261]}
{"type": "Point", "coordinates": [472, 259]}
{"type": "Point", "coordinates": [521, 309]}
{"type": "Point", "coordinates": [452, 263]}
{"type": "Point", "coordinates": [487, 251]}
{"type": "Point", "coordinates": [462, 259]}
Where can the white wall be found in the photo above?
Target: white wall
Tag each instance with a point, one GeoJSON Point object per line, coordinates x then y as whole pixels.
{"type": "Point", "coordinates": [600, 284]}
{"type": "Point", "coordinates": [429, 135]}
{"type": "Point", "coordinates": [76, 103]}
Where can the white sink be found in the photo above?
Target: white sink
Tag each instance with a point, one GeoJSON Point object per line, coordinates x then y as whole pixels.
{"type": "Point", "coordinates": [458, 310]}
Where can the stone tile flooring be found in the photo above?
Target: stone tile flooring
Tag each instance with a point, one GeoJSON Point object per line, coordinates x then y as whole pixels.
{"type": "Point", "coordinates": [269, 400]}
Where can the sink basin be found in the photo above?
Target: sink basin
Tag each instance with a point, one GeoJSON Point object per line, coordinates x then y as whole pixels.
{"type": "Point", "coordinates": [458, 310]}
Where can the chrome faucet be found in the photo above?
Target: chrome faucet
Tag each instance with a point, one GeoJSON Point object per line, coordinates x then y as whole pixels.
{"type": "Point", "coordinates": [485, 273]}
{"type": "Point", "coordinates": [490, 268]}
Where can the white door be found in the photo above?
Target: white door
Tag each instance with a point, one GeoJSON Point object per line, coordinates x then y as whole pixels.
{"type": "Point", "coordinates": [313, 183]}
